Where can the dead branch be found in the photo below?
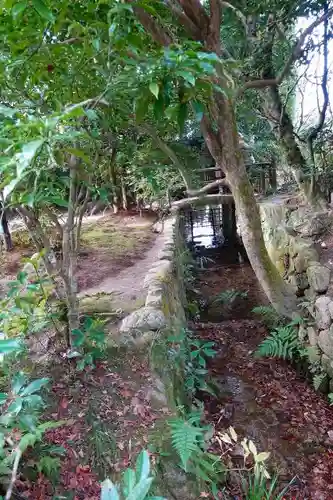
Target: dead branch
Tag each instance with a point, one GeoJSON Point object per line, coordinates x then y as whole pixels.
{"type": "Point", "coordinates": [201, 200]}
{"type": "Point", "coordinates": [208, 187]}
{"type": "Point", "coordinates": [295, 54]}
{"type": "Point", "coordinates": [18, 456]}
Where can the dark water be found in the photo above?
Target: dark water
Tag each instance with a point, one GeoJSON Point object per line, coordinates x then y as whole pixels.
{"type": "Point", "coordinates": [211, 233]}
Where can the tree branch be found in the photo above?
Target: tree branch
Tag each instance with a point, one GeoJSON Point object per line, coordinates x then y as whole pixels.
{"type": "Point", "coordinates": [158, 34]}
{"type": "Point", "coordinates": [196, 12]}
{"type": "Point", "coordinates": [208, 187]}
{"type": "Point", "coordinates": [189, 25]}
{"type": "Point", "coordinates": [295, 54]}
{"type": "Point", "coordinates": [169, 152]}
{"type": "Point", "coordinates": [201, 200]}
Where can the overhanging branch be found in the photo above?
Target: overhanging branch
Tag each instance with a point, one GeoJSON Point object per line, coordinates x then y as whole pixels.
{"type": "Point", "coordinates": [208, 187]}
{"type": "Point", "coordinates": [295, 54]}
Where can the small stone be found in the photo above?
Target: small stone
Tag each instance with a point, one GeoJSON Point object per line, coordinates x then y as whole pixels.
{"type": "Point", "coordinates": [319, 278]}
{"type": "Point", "coordinates": [322, 313]}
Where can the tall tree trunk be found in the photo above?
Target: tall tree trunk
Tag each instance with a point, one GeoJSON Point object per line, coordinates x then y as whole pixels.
{"type": "Point", "coordinates": [283, 129]}
{"type": "Point", "coordinates": [69, 263]}
{"type": "Point", "coordinates": [230, 159]}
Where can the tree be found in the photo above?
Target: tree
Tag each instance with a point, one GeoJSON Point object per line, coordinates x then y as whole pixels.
{"type": "Point", "coordinates": [193, 64]}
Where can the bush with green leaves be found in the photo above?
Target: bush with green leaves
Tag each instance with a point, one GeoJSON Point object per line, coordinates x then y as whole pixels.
{"type": "Point", "coordinates": [189, 355]}
{"type": "Point", "coordinates": [135, 484]}
{"type": "Point", "coordinates": [20, 420]}
{"type": "Point", "coordinates": [89, 343]}
{"type": "Point", "coordinates": [27, 308]}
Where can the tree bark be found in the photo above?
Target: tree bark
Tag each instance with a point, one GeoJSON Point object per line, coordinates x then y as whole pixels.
{"type": "Point", "coordinates": [283, 129]}
{"type": "Point", "coordinates": [6, 231]}
{"type": "Point", "coordinates": [230, 160]}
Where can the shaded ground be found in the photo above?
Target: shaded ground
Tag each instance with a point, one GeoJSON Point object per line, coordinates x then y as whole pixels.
{"type": "Point", "coordinates": [109, 413]}
{"type": "Point", "coordinates": [110, 243]}
{"type": "Point", "coordinates": [265, 399]}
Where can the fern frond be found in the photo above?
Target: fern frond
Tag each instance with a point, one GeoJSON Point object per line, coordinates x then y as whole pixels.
{"type": "Point", "coordinates": [318, 379]}
{"type": "Point", "coordinates": [281, 343]}
{"type": "Point", "coordinates": [269, 315]}
{"type": "Point", "coordinates": [185, 439]}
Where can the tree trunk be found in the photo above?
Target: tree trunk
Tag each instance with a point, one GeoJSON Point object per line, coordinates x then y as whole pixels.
{"type": "Point", "coordinates": [230, 159]}
{"type": "Point", "coordinates": [6, 232]}
{"type": "Point", "coordinates": [284, 131]}
{"type": "Point", "coordinates": [69, 265]}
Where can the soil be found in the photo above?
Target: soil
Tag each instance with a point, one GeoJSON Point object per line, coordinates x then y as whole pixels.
{"type": "Point", "coordinates": [108, 415]}
{"type": "Point", "coordinates": [265, 399]}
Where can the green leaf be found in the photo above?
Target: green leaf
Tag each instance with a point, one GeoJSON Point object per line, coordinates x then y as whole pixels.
{"type": "Point", "coordinates": [141, 489]}
{"type": "Point", "coordinates": [19, 380]}
{"type": "Point", "coordinates": [61, 202]}
{"type": "Point", "coordinates": [10, 345]}
{"type": "Point", "coordinates": [78, 337]}
{"type": "Point", "coordinates": [142, 466]}
{"type": "Point", "coordinates": [109, 491]}
{"type": "Point", "coordinates": [129, 481]}
{"type": "Point", "coordinates": [154, 89]}
{"type": "Point", "coordinates": [187, 76]}
{"type": "Point", "coordinates": [198, 108]}
{"type": "Point", "coordinates": [16, 406]}
{"type": "Point", "coordinates": [80, 154]}
{"type": "Point", "coordinates": [182, 115]}
{"type": "Point", "coordinates": [43, 10]}
{"type": "Point", "coordinates": [27, 440]}
{"type": "Point", "coordinates": [18, 8]}
{"type": "Point", "coordinates": [35, 386]}
{"type": "Point", "coordinates": [7, 111]}
{"type": "Point", "coordinates": [27, 154]}
{"type": "Point", "coordinates": [141, 108]}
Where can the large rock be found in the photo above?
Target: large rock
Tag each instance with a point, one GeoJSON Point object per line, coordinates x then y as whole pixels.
{"type": "Point", "coordinates": [143, 320]}
{"type": "Point", "coordinates": [312, 336]}
{"type": "Point", "coordinates": [319, 277]}
{"type": "Point", "coordinates": [327, 364]}
{"type": "Point", "coordinates": [325, 342]}
{"type": "Point", "coordinates": [323, 316]}
{"type": "Point", "coordinates": [307, 223]}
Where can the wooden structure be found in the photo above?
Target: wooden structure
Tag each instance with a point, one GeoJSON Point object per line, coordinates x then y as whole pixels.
{"type": "Point", "coordinates": [262, 176]}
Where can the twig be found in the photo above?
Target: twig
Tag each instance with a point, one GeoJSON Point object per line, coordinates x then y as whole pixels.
{"type": "Point", "coordinates": [14, 473]}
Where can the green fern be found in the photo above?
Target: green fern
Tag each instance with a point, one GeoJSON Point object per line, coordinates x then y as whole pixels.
{"type": "Point", "coordinates": [227, 297]}
{"type": "Point", "coordinates": [318, 379]}
{"type": "Point", "coordinates": [281, 343]}
{"type": "Point", "coordinates": [269, 316]}
{"type": "Point", "coordinates": [186, 437]}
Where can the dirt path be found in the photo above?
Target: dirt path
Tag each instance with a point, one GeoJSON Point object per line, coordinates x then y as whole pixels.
{"type": "Point", "coordinates": [128, 283]}
{"type": "Point", "coordinates": [265, 399]}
